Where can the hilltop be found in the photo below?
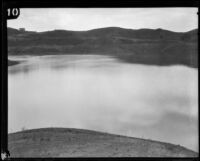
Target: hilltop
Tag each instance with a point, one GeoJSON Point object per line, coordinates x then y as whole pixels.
{"type": "Point", "coordinates": [69, 142]}
{"type": "Point", "coordinates": [146, 46]}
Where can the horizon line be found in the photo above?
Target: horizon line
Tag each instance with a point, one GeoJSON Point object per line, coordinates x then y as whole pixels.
{"type": "Point", "coordinates": [101, 28]}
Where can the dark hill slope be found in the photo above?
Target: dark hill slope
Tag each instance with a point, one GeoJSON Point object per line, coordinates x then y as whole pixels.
{"type": "Point", "coordinates": [64, 142]}
{"type": "Point", "coordinates": [12, 31]}
{"type": "Point", "coordinates": [136, 34]}
{"type": "Point", "coordinates": [147, 46]}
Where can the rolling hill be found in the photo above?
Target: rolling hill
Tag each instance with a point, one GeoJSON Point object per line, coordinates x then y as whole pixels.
{"type": "Point", "coordinates": [68, 142]}
{"type": "Point", "coordinates": [146, 46]}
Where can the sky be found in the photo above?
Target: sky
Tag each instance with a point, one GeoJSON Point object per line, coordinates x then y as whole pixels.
{"type": "Point", "coordinates": [80, 19]}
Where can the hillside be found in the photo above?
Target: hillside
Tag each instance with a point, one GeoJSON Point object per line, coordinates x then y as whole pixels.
{"type": "Point", "coordinates": [146, 46]}
{"type": "Point", "coordinates": [65, 142]}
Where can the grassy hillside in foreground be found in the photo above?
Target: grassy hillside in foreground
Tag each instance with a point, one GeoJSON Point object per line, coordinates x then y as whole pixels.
{"type": "Point", "coordinates": [67, 142]}
{"type": "Point", "coordinates": [145, 46]}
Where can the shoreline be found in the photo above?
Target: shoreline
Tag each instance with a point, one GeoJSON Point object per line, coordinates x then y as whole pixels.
{"type": "Point", "coordinates": [13, 62]}
{"type": "Point", "coordinates": [126, 59]}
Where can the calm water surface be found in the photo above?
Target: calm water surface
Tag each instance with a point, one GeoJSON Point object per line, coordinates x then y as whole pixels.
{"type": "Point", "coordinates": [101, 93]}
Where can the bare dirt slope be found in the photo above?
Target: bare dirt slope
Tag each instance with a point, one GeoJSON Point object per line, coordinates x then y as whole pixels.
{"type": "Point", "coordinates": [65, 142]}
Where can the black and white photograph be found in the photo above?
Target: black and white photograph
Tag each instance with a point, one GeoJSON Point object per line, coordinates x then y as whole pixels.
{"type": "Point", "coordinates": [103, 82]}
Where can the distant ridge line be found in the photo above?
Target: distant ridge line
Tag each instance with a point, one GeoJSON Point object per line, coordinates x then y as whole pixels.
{"type": "Point", "coordinates": [111, 27]}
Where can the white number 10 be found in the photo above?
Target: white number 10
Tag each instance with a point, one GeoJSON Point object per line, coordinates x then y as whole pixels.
{"type": "Point", "coordinates": [13, 12]}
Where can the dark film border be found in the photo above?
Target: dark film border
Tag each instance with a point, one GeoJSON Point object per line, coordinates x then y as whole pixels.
{"type": "Point", "coordinates": [101, 3]}
{"type": "Point", "coordinates": [71, 4]}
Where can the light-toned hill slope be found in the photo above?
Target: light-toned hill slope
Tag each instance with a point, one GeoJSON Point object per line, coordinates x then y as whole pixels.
{"type": "Point", "coordinates": [64, 142]}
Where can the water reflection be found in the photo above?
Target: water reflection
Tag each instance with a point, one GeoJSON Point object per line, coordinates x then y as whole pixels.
{"type": "Point", "coordinates": [101, 93]}
{"type": "Point", "coordinates": [30, 64]}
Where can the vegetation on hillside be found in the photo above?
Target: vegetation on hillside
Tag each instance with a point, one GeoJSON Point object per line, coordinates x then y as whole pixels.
{"type": "Point", "coordinates": [68, 142]}
{"type": "Point", "coordinates": [147, 46]}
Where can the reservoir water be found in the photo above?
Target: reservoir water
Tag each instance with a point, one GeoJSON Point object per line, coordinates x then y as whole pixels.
{"type": "Point", "coordinates": [104, 94]}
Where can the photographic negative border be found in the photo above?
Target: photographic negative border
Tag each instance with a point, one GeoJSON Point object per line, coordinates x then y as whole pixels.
{"type": "Point", "coordinates": [69, 4]}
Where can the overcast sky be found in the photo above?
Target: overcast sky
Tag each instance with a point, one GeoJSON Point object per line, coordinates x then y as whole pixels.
{"type": "Point", "coordinates": [174, 19]}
